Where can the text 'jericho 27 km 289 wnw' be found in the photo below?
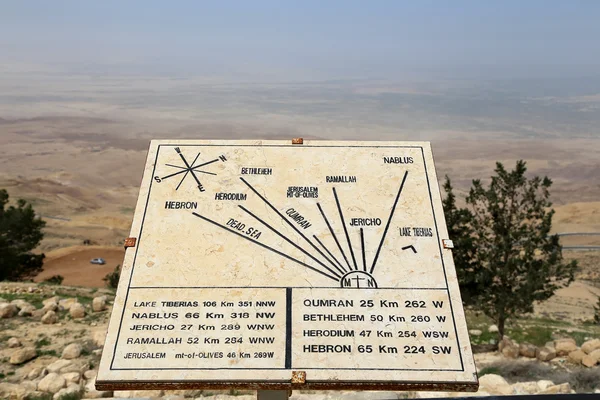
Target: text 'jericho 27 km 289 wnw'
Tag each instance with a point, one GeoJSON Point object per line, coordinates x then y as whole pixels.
{"type": "Point", "coordinates": [268, 264]}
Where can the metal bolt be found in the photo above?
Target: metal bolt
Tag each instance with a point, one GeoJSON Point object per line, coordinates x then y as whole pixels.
{"type": "Point", "coordinates": [298, 377]}
{"type": "Point", "coordinates": [130, 242]}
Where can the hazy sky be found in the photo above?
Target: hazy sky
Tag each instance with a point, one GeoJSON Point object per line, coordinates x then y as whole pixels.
{"type": "Point", "coordinates": [308, 39]}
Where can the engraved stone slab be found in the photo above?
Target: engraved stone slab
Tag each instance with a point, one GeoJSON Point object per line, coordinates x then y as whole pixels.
{"type": "Point", "coordinates": [259, 260]}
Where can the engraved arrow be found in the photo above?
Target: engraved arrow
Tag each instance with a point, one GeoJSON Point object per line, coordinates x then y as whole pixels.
{"type": "Point", "coordinates": [410, 247]}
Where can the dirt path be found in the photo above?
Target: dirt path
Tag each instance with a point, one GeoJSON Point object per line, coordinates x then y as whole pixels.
{"type": "Point", "coordinates": [74, 265]}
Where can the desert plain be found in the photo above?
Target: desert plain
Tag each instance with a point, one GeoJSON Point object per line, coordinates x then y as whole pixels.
{"type": "Point", "coordinates": [74, 143]}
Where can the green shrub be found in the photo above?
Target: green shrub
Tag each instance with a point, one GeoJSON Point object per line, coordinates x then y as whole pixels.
{"type": "Point", "coordinates": [112, 278]}
{"type": "Point", "coordinates": [42, 342]}
{"type": "Point", "coordinates": [54, 280]}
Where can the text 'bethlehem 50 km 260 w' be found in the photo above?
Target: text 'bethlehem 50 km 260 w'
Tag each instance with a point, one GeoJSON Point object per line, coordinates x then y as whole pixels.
{"type": "Point", "coordinates": [256, 261]}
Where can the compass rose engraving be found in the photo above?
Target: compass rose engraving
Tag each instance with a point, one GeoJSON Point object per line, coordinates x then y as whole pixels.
{"type": "Point", "coordinates": [190, 169]}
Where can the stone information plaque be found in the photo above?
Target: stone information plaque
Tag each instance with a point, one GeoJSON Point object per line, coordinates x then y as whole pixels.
{"type": "Point", "coordinates": [272, 265]}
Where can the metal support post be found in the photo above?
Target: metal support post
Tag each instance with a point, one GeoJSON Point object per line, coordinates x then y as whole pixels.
{"type": "Point", "coordinates": [273, 394]}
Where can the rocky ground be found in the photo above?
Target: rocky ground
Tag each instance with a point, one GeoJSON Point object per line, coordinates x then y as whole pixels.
{"type": "Point", "coordinates": [51, 340]}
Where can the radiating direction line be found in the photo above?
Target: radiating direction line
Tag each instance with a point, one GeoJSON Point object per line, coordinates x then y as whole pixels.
{"type": "Point", "coordinates": [337, 201]}
{"type": "Point", "coordinates": [287, 221]}
{"type": "Point", "coordinates": [290, 242]}
{"type": "Point", "coordinates": [342, 270]}
{"type": "Point", "coordinates": [205, 172]}
{"type": "Point", "coordinates": [195, 159]}
{"type": "Point", "coordinates": [334, 237]}
{"type": "Point", "coordinates": [186, 172]}
{"type": "Point", "coordinates": [266, 247]}
{"type": "Point", "coordinates": [176, 166]}
{"type": "Point", "coordinates": [362, 246]}
{"type": "Point", "coordinates": [190, 168]}
{"type": "Point", "coordinates": [193, 168]}
{"type": "Point", "coordinates": [182, 179]}
{"type": "Point", "coordinates": [388, 223]}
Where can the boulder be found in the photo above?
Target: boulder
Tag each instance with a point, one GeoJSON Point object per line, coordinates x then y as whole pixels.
{"type": "Point", "coordinates": [13, 342]}
{"type": "Point", "coordinates": [475, 332]}
{"type": "Point", "coordinates": [51, 300]}
{"type": "Point", "coordinates": [50, 307]}
{"type": "Point", "coordinates": [595, 353]}
{"type": "Point", "coordinates": [505, 340]}
{"type": "Point", "coordinates": [590, 360]}
{"type": "Point", "coordinates": [198, 393]}
{"type": "Point", "coordinates": [545, 354]}
{"type": "Point", "coordinates": [139, 393]}
{"type": "Point", "coordinates": [29, 385]}
{"type": "Point", "coordinates": [564, 346]}
{"type": "Point", "coordinates": [71, 391]}
{"type": "Point", "coordinates": [493, 329]}
{"type": "Point", "coordinates": [27, 311]}
{"type": "Point", "coordinates": [72, 377]}
{"type": "Point", "coordinates": [568, 339]}
{"type": "Point", "coordinates": [79, 365]}
{"type": "Point", "coordinates": [71, 351]}
{"type": "Point", "coordinates": [99, 304]}
{"type": "Point", "coordinates": [576, 356]}
{"type": "Point", "coordinates": [23, 355]}
{"type": "Point", "coordinates": [20, 303]}
{"type": "Point", "coordinates": [590, 346]}
{"type": "Point", "coordinates": [66, 304]}
{"type": "Point", "coordinates": [77, 310]}
{"type": "Point", "coordinates": [527, 350]}
{"type": "Point", "coordinates": [563, 388]}
{"type": "Point", "coordinates": [510, 351]}
{"type": "Point", "coordinates": [91, 374]}
{"type": "Point", "coordinates": [37, 373]}
{"type": "Point", "coordinates": [99, 337]}
{"type": "Point", "coordinates": [508, 348]}
{"type": "Point", "coordinates": [12, 391]}
{"type": "Point", "coordinates": [50, 318]}
{"type": "Point", "coordinates": [178, 397]}
{"type": "Point", "coordinates": [495, 384]}
{"type": "Point", "coordinates": [59, 365]}
{"type": "Point", "coordinates": [8, 310]}
{"type": "Point", "coordinates": [90, 391]}
{"type": "Point", "coordinates": [52, 383]}
{"type": "Point", "coordinates": [525, 388]}
{"type": "Point", "coordinates": [544, 384]}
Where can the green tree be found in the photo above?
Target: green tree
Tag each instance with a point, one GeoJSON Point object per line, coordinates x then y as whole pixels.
{"type": "Point", "coordinates": [20, 233]}
{"type": "Point", "coordinates": [458, 221]}
{"type": "Point", "coordinates": [513, 261]}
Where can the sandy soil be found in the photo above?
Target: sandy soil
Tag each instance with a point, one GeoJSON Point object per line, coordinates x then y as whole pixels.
{"type": "Point", "coordinates": [74, 265]}
{"type": "Point", "coordinates": [571, 303]}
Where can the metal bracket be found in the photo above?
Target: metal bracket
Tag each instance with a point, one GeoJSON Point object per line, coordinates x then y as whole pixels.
{"type": "Point", "coordinates": [298, 140]}
{"type": "Point", "coordinates": [130, 242]}
{"type": "Point", "coordinates": [447, 243]}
